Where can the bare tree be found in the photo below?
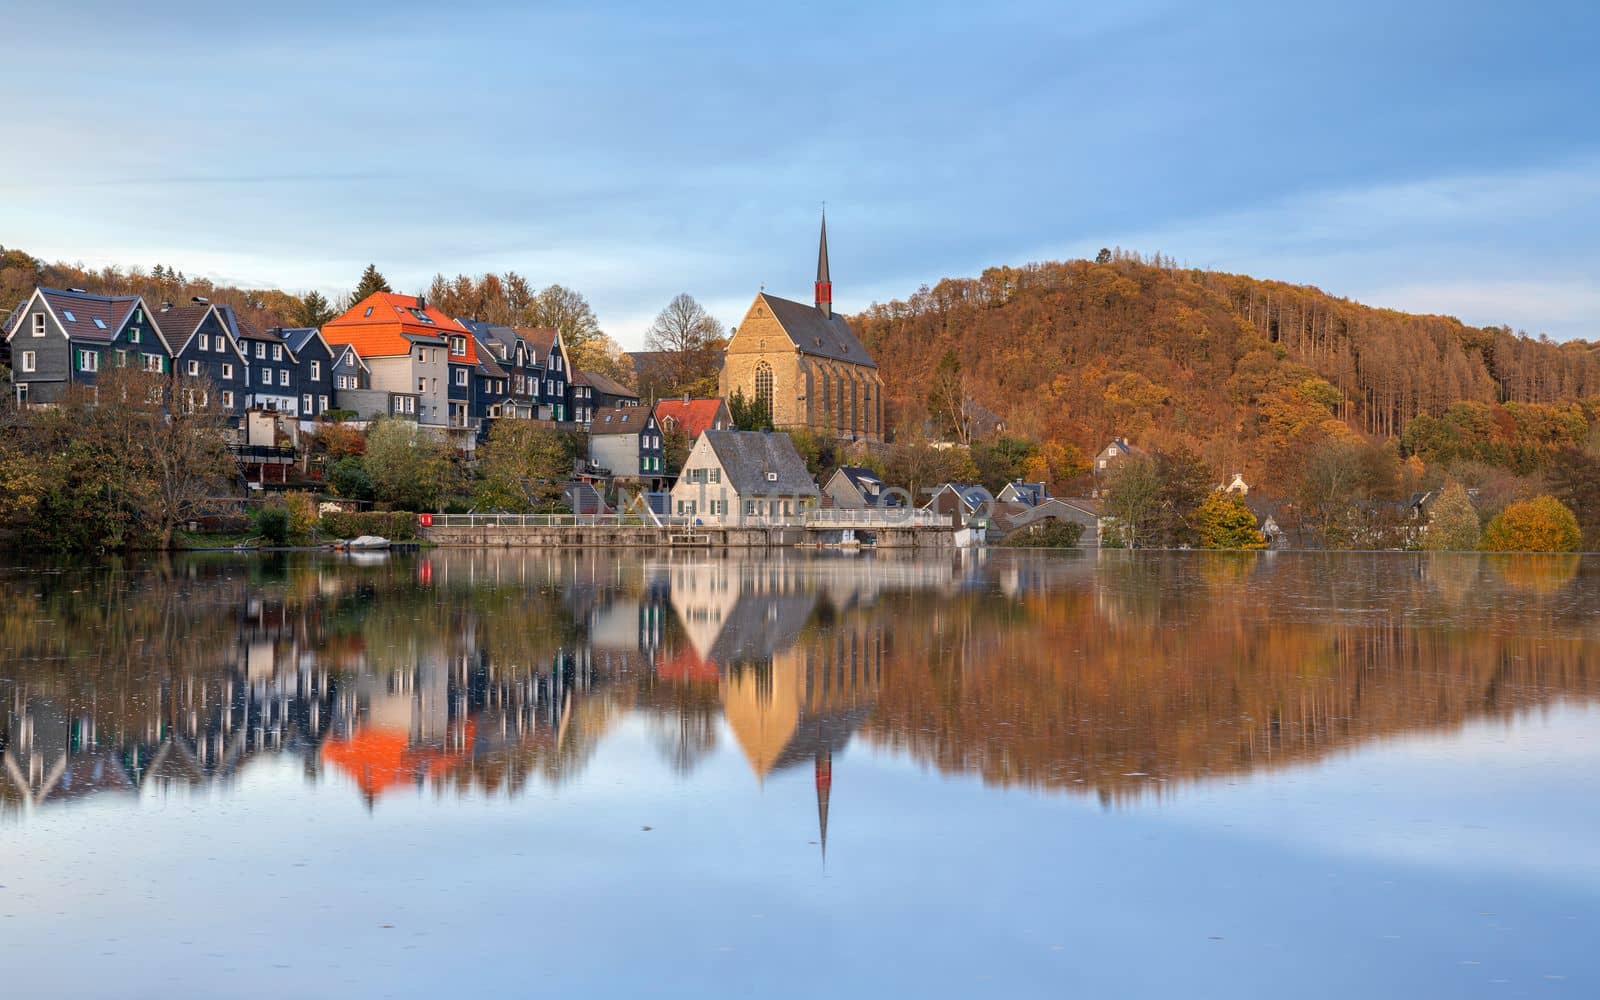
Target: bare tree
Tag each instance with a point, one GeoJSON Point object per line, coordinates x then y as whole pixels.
{"type": "Point", "coordinates": [686, 337]}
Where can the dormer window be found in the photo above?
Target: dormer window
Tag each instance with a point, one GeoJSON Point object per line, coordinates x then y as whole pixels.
{"type": "Point", "coordinates": [458, 347]}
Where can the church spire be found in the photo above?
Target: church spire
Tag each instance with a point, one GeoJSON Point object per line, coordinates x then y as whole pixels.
{"type": "Point", "coordinates": [824, 786]}
{"type": "Point", "coordinates": [824, 283]}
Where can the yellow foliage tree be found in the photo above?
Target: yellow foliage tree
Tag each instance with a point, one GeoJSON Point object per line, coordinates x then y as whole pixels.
{"type": "Point", "coordinates": [1543, 524]}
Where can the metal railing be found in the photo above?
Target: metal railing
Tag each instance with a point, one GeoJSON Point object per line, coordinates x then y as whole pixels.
{"type": "Point", "coordinates": [876, 517]}
{"type": "Point", "coordinates": [898, 517]}
{"type": "Point", "coordinates": [541, 521]}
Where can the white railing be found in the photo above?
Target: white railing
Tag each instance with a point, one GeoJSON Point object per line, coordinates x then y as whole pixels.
{"type": "Point", "coordinates": [541, 521]}
{"type": "Point", "coordinates": [874, 517]}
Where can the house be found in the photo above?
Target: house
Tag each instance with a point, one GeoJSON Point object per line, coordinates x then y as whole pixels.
{"type": "Point", "coordinates": [805, 364]}
{"type": "Point", "coordinates": [59, 338]}
{"type": "Point", "coordinates": [313, 368]}
{"type": "Point", "coordinates": [274, 370]}
{"type": "Point", "coordinates": [461, 356]}
{"type": "Point", "coordinates": [605, 391]}
{"type": "Point", "coordinates": [1025, 493]}
{"type": "Point", "coordinates": [965, 502]}
{"type": "Point", "coordinates": [353, 391]}
{"type": "Point", "coordinates": [626, 441]}
{"type": "Point", "coordinates": [693, 417]}
{"type": "Point", "coordinates": [1235, 485]}
{"type": "Point", "coordinates": [550, 357]}
{"type": "Point", "coordinates": [1111, 454]}
{"type": "Point", "coordinates": [1014, 517]}
{"type": "Point", "coordinates": [204, 348]}
{"type": "Point", "coordinates": [404, 343]}
{"type": "Point", "coordinates": [732, 476]}
{"type": "Point", "coordinates": [855, 488]}
{"type": "Point", "coordinates": [491, 390]}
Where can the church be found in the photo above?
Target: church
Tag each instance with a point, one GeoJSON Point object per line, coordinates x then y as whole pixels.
{"type": "Point", "coordinates": [806, 364]}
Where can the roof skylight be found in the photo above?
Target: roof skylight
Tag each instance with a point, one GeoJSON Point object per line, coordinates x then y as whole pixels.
{"type": "Point", "coordinates": [68, 314]}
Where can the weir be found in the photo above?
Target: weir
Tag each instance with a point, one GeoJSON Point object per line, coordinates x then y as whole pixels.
{"type": "Point", "coordinates": [869, 528]}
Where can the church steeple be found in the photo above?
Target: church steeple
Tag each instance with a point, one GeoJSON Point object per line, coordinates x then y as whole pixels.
{"type": "Point", "coordinates": [824, 787]}
{"type": "Point", "coordinates": [824, 283]}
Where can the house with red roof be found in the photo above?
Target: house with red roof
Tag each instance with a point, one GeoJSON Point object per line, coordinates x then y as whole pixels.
{"type": "Point", "coordinates": [59, 338]}
{"type": "Point", "coordinates": [693, 417]}
{"type": "Point", "coordinates": [406, 344]}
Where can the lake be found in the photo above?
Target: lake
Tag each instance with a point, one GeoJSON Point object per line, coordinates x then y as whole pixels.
{"type": "Point", "coordinates": [784, 774]}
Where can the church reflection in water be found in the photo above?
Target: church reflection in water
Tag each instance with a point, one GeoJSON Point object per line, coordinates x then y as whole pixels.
{"type": "Point", "coordinates": [481, 672]}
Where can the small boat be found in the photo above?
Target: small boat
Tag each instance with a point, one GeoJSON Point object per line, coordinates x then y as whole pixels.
{"type": "Point", "coordinates": [364, 543]}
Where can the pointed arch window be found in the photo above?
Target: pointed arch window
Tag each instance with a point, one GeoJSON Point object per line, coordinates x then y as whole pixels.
{"type": "Point", "coordinates": [764, 388]}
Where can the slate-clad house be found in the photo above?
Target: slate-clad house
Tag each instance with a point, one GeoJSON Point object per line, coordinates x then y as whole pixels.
{"type": "Point", "coordinates": [1025, 493]}
{"type": "Point", "coordinates": [203, 348]}
{"type": "Point", "coordinates": [854, 488]}
{"type": "Point", "coordinates": [403, 342]}
{"type": "Point", "coordinates": [463, 363]}
{"type": "Point", "coordinates": [349, 371]}
{"type": "Point", "coordinates": [730, 476]}
{"type": "Point", "coordinates": [491, 389]}
{"type": "Point", "coordinates": [965, 502]}
{"type": "Point", "coordinates": [550, 354]}
{"type": "Point", "coordinates": [604, 392]}
{"type": "Point", "coordinates": [273, 366]}
{"type": "Point", "coordinates": [314, 368]}
{"type": "Point", "coordinates": [626, 441]}
{"type": "Point", "coordinates": [538, 386]}
{"type": "Point", "coordinates": [59, 338]}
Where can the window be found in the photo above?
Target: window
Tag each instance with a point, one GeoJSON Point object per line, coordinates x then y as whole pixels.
{"type": "Point", "coordinates": [29, 361]}
{"type": "Point", "coordinates": [422, 385]}
{"type": "Point", "coordinates": [322, 404]}
{"type": "Point", "coordinates": [764, 389]}
{"type": "Point", "coordinates": [316, 371]}
{"type": "Point", "coordinates": [38, 324]}
{"type": "Point", "coordinates": [277, 352]}
{"type": "Point", "coordinates": [716, 506]}
{"type": "Point", "coordinates": [22, 393]}
{"type": "Point", "coordinates": [368, 312]}
{"type": "Point", "coordinates": [99, 324]}
{"type": "Point", "coordinates": [555, 362]}
{"type": "Point", "coordinates": [458, 347]}
{"type": "Point", "coordinates": [461, 376]}
{"type": "Point", "coordinates": [266, 376]}
{"type": "Point", "coordinates": [227, 399]}
{"type": "Point", "coordinates": [305, 404]}
{"type": "Point", "coordinates": [205, 342]}
{"type": "Point", "coordinates": [152, 363]}
{"type": "Point", "coordinates": [550, 386]}
{"type": "Point", "coordinates": [222, 343]}
{"type": "Point", "coordinates": [227, 371]}
{"type": "Point", "coordinates": [88, 361]}
{"type": "Point", "coordinates": [133, 335]}
{"type": "Point", "coordinates": [122, 359]}
{"type": "Point", "coordinates": [338, 382]}
{"type": "Point", "coordinates": [349, 361]}
{"type": "Point", "coordinates": [716, 475]}
{"type": "Point", "coordinates": [283, 376]}
{"type": "Point", "coordinates": [194, 368]}
{"type": "Point", "coordinates": [68, 314]}
{"type": "Point", "coordinates": [261, 349]}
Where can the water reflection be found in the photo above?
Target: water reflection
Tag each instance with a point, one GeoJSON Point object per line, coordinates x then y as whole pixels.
{"type": "Point", "coordinates": [1118, 675]}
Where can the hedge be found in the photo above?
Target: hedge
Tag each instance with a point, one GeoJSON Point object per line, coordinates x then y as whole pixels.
{"type": "Point", "coordinates": [397, 526]}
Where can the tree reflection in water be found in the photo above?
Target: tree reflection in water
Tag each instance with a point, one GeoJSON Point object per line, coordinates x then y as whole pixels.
{"type": "Point", "coordinates": [478, 672]}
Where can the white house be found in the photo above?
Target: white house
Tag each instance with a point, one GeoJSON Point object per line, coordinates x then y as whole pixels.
{"type": "Point", "coordinates": [732, 476]}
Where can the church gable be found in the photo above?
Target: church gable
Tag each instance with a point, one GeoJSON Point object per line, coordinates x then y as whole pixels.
{"type": "Point", "coordinates": [813, 333]}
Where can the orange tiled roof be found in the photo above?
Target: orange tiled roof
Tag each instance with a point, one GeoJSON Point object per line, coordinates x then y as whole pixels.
{"type": "Point", "coordinates": [691, 416]}
{"type": "Point", "coordinates": [384, 324]}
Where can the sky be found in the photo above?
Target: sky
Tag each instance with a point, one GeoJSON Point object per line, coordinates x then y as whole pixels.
{"type": "Point", "coordinates": [1435, 157]}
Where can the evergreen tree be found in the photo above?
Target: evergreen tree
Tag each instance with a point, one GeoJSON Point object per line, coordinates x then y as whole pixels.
{"type": "Point", "coordinates": [371, 281]}
{"type": "Point", "coordinates": [1224, 522]}
{"type": "Point", "coordinates": [1452, 523]}
{"type": "Point", "coordinates": [314, 310]}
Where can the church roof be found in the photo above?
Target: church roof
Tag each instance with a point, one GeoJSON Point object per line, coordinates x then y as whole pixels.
{"type": "Point", "coordinates": [816, 334]}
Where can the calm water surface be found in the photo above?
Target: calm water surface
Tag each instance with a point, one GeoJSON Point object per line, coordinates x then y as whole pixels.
{"type": "Point", "coordinates": [1005, 775]}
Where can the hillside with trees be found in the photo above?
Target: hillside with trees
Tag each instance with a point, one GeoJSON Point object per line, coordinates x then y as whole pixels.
{"type": "Point", "coordinates": [1249, 373]}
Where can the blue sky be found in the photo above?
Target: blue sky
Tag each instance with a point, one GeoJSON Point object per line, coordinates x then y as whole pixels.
{"type": "Point", "coordinates": [1443, 157]}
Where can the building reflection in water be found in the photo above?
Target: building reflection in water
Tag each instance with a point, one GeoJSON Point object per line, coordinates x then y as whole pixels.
{"type": "Point", "coordinates": [482, 671]}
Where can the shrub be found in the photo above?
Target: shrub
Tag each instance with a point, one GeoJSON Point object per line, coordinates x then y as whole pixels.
{"type": "Point", "coordinates": [272, 524]}
{"type": "Point", "coordinates": [348, 478]}
{"type": "Point", "coordinates": [1452, 523]}
{"type": "Point", "coordinates": [1224, 522]}
{"type": "Point", "coordinates": [1050, 535]}
{"type": "Point", "coordinates": [397, 526]}
{"type": "Point", "coordinates": [302, 514]}
{"type": "Point", "coordinates": [1543, 524]}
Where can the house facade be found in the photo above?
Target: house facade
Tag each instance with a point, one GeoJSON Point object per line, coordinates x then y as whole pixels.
{"type": "Point", "coordinates": [732, 477]}
{"type": "Point", "coordinates": [403, 342]}
{"type": "Point", "coordinates": [626, 441]}
{"type": "Point", "coordinates": [693, 417]}
{"type": "Point", "coordinates": [805, 364]}
{"type": "Point", "coordinates": [854, 488]}
{"type": "Point", "coordinates": [60, 338]}
{"type": "Point", "coordinates": [313, 369]}
{"type": "Point", "coordinates": [203, 348]}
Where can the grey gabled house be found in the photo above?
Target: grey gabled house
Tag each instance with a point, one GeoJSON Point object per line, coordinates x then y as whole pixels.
{"type": "Point", "coordinates": [313, 368]}
{"type": "Point", "coordinates": [59, 338]}
{"type": "Point", "coordinates": [202, 348]}
{"type": "Point", "coordinates": [730, 476]}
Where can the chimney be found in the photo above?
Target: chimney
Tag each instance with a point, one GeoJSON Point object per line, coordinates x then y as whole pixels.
{"type": "Point", "coordinates": [422, 303]}
{"type": "Point", "coordinates": [201, 300]}
{"type": "Point", "coordinates": [686, 397]}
